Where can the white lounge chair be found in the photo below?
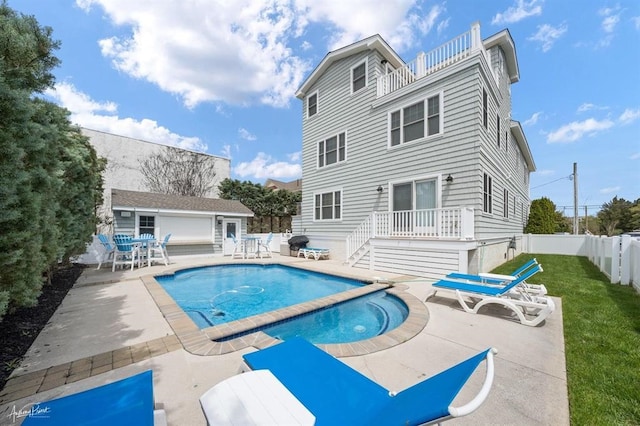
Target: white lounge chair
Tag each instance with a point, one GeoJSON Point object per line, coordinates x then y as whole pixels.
{"type": "Point", "coordinates": [295, 382]}
{"type": "Point", "coordinates": [530, 308]}
{"type": "Point", "coordinates": [316, 253]}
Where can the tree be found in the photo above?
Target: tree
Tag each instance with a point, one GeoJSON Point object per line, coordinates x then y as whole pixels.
{"type": "Point", "coordinates": [265, 203]}
{"type": "Point", "coordinates": [179, 172]}
{"type": "Point", "coordinates": [543, 218]}
{"type": "Point", "coordinates": [49, 174]}
{"type": "Point", "coordinates": [616, 216]}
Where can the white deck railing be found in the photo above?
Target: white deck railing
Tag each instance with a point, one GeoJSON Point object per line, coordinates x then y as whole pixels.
{"type": "Point", "coordinates": [427, 63]}
{"type": "Point", "coordinates": [454, 224]}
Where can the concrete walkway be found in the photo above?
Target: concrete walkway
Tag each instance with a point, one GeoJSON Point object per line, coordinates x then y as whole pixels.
{"type": "Point", "coordinates": [109, 327]}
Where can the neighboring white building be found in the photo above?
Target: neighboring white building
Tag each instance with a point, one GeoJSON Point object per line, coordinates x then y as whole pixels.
{"type": "Point", "coordinates": [415, 167]}
{"type": "Point", "coordinates": [124, 155]}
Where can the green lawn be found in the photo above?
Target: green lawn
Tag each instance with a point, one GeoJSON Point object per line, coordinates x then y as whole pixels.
{"type": "Point", "coordinates": [602, 338]}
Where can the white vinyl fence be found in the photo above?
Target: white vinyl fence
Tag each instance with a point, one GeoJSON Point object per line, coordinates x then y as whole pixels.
{"type": "Point", "coordinates": [617, 257]}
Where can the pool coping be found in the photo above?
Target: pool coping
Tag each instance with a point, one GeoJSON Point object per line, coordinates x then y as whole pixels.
{"type": "Point", "coordinates": [202, 341]}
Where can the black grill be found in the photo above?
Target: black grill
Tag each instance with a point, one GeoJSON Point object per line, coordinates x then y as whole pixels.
{"type": "Point", "coordinates": [298, 242]}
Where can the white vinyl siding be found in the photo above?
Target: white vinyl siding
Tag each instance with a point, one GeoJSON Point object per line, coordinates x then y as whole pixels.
{"type": "Point", "coordinates": [409, 124]}
{"type": "Point", "coordinates": [332, 150]}
{"type": "Point", "coordinates": [328, 206]}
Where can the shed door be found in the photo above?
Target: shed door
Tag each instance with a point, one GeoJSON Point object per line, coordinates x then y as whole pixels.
{"type": "Point", "coordinates": [230, 228]}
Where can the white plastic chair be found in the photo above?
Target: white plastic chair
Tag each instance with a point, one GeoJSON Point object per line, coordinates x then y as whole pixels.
{"type": "Point", "coordinates": [161, 249]}
{"type": "Point", "coordinates": [126, 251]}
{"type": "Point", "coordinates": [264, 246]}
{"type": "Point", "coordinates": [238, 248]}
{"type": "Point", "coordinates": [109, 249]}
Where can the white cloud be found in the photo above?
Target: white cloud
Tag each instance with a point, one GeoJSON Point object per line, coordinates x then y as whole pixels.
{"type": "Point", "coordinates": [578, 129]}
{"type": "Point", "coordinates": [246, 135]}
{"type": "Point", "coordinates": [244, 52]}
{"type": "Point", "coordinates": [533, 119]}
{"type": "Point", "coordinates": [635, 156]}
{"type": "Point", "coordinates": [226, 151]}
{"type": "Point", "coordinates": [629, 116]}
{"type": "Point", "coordinates": [636, 22]}
{"type": "Point", "coordinates": [295, 156]}
{"type": "Point", "coordinates": [546, 172]}
{"type": "Point", "coordinates": [264, 166]}
{"type": "Point", "coordinates": [610, 190]}
{"type": "Point", "coordinates": [547, 35]}
{"type": "Point", "coordinates": [587, 106]}
{"type": "Point", "coordinates": [102, 116]}
{"type": "Point", "coordinates": [611, 18]}
{"type": "Point", "coordinates": [518, 12]}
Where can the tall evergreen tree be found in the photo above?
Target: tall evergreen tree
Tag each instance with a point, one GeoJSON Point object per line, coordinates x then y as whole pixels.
{"type": "Point", "coordinates": [543, 218]}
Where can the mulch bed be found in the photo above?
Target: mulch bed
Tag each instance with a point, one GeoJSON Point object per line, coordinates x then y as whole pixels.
{"type": "Point", "coordinates": [20, 328]}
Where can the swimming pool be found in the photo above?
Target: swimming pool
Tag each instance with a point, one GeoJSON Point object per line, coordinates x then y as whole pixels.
{"type": "Point", "coordinates": [219, 294]}
{"type": "Point", "coordinates": [216, 295]}
{"type": "Point", "coordinates": [357, 319]}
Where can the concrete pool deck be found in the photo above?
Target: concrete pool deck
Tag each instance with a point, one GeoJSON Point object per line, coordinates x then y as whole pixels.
{"type": "Point", "coordinates": [110, 327]}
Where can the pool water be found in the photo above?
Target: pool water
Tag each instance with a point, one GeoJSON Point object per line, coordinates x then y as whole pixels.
{"type": "Point", "coordinates": [356, 319]}
{"type": "Point", "coordinates": [219, 294]}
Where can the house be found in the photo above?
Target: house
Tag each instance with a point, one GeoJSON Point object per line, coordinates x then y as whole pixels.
{"type": "Point", "coordinates": [415, 167]}
{"type": "Point", "coordinates": [198, 225]}
{"type": "Point", "coordinates": [293, 186]}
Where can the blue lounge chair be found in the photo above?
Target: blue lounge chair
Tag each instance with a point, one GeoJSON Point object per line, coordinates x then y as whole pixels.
{"type": "Point", "coordinates": [530, 308]}
{"type": "Point", "coordinates": [336, 394]}
{"type": "Point", "coordinates": [501, 280]}
{"type": "Point", "coordinates": [125, 402]}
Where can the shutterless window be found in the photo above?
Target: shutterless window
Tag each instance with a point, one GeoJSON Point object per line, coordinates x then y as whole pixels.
{"type": "Point", "coordinates": [506, 203]}
{"type": "Point", "coordinates": [147, 225]}
{"type": "Point", "coordinates": [358, 77]}
{"type": "Point", "coordinates": [328, 206]}
{"type": "Point", "coordinates": [487, 194]}
{"type": "Point", "coordinates": [498, 129]}
{"type": "Point", "coordinates": [312, 105]}
{"type": "Point", "coordinates": [408, 124]}
{"type": "Point", "coordinates": [332, 150]}
{"type": "Point", "coordinates": [485, 111]}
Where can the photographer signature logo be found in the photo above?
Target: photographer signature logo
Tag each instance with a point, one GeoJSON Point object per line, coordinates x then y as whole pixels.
{"type": "Point", "coordinates": [36, 411]}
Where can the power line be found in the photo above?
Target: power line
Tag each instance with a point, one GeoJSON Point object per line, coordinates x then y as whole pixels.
{"type": "Point", "coordinates": [553, 181]}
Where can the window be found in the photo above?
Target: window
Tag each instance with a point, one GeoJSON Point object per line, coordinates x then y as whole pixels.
{"type": "Point", "coordinates": [488, 194]}
{"type": "Point", "coordinates": [485, 117]}
{"type": "Point", "coordinates": [327, 206]}
{"type": "Point", "coordinates": [358, 77]}
{"type": "Point", "coordinates": [506, 141]}
{"type": "Point", "coordinates": [498, 129]}
{"type": "Point", "coordinates": [332, 150]}
{"type": "Point", "coordinates": [506, 203]}
{"type": "Point", "coordinates": [312, 105]}
{"type": "Point", "coordinates": [408, 124]}
{"type": "Point", "coordinates": [147, 225]}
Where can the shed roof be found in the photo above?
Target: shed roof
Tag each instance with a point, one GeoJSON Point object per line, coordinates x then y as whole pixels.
{"type": "Point", "coordinates": [125, 200]}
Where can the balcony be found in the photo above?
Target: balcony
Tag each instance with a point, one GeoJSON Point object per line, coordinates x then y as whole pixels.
{"type": "Point", "coordinates": [428, 63]}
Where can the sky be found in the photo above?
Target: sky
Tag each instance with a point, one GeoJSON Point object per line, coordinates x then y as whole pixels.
{"type": "Point", "coordinates": [220, 76]}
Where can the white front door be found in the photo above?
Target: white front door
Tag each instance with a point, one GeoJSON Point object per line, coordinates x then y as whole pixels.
{"type": "Point", "coordinates": [230, 228]}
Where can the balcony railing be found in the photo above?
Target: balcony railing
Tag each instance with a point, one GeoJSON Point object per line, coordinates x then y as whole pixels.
{"type": "Point", "coordinates": [425, 64]}
{"type": "Point", "coordinates": [451, 224]}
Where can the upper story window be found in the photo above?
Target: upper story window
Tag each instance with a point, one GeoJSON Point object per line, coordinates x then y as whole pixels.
{"type": "Point", "coordinates": [358, 77]}
{"type": "Point", "coordinates": [312, 105]}
{"type": "Point", "coordinates": [485, 109]}
{"type": "Point", "coordinates": [332, 150]}
{"type": "Point", "coordinates": [498, 129]}
{"type": "Point", "coordinates": [487, 201]}
{"type": "Point", "coordinates": [328, 206]}
{"type": "Point", "coordinates": [410, 123]}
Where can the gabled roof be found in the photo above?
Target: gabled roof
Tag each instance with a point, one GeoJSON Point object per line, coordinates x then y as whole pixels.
{"type": "Point", "coordinates": [504, 40]}
{"type": "Point", "coordinates": [293, 186]}
{"type": "Point", "coordinates": [521, 140]}
{"type": "Point", "coordinates": [127, 200]}
{"type": "Point", "coordinates": [374, 42]}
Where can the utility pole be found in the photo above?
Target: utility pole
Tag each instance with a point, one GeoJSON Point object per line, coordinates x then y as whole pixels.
{"type": "Point", "coordinates": [575, 198]}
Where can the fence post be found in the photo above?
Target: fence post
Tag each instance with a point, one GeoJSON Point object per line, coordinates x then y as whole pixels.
{"type": "Point", "coordinates": [625, 260]}
{"type": "Point", "coordinates": [615, 260]}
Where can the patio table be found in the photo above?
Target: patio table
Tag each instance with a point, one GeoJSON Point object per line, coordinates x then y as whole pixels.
{"type": "Point", "coordinates": [255, 247]}
{"type": "Point", "coordinates": [146, 243]}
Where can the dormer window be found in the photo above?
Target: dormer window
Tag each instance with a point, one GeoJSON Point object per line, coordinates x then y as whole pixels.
{"type": "Point", "coordinates": [312, 105]}
{"type": "Point", "coordinates": [358, 77]}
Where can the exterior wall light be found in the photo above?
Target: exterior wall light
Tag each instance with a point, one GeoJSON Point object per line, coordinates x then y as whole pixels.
{"type": "Point", "coordinates": [379, 189]}
{"type": "Point", "coordinates": [220, 219]}
{"type": "Point", "coordinates": [449, 178]}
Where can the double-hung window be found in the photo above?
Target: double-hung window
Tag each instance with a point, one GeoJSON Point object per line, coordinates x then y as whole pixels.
{"type": "Point", "coordinates": [485, 109]}
{"type": "Point", "coordinates": [328, 206]}
{"type": "Point", "coordinates": [498, 129]}
{"type": "Point", "coordinates": [312, 105]}
{"type": "Point", "coordinates": [332, 150]}
{"type": "Point", "coordinates": [358, 77]}
{"type": "Point", "coordinates": [487, 191]}
{"type": "Point", "coordinates": [147, 225]}
{"type": "Point", "coordinates": [506, 203]}
{"type": "Point", "coordinates": [410, 123]}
